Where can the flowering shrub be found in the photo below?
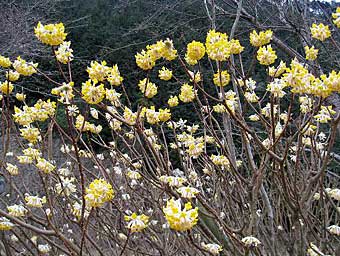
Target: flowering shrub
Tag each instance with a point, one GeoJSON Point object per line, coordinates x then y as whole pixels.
{"type": "Point", "coordinates": [247, 174]}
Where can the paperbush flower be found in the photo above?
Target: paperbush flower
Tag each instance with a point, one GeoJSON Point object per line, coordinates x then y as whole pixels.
{"type": "Point", "coordinates": [98, 193]}
{"type": "Point", "coordinates": [6, 87]}
{"type": "Point", "coordinates": [92, 94]}
{"type": "Point", "coordinates": [311, 53]}
{"type": "Point", "coordinates": [180, 219]}
{"type": "Point", "coordinates": [51, 34]}
{"type": "Point", "coordinates": [260, 39]}
{"type": "Point", "coordinates": [173, 101]}
{"type": "Point", "coordinates": [320, 31]}
{"type": "Point", "coordinates": [195, 52]}
{"type": "Point", "coordinates": [24, 68]}
{"type": "Point", "coordinates": [5, 62]}
{"type": "Point", "coordinates": [147, 88]}
{"type": "Point", "coordinates": [136, 223]}
{"type": "Point", "coordinates": [221, 78]}
{"type": "Point", "coordinates": [187, 93]}
{"type": "Point", "coordinates": [217, 46]}
{"type": "Point", "coordinates": [266, 55]}
{"type": "Point", "coordinates": [64, 53]}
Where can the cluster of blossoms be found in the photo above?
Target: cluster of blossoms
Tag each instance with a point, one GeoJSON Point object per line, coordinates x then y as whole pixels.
{"type": "Point", "coordinates": [180, 219]}
{"type": "Point", "coordinates": [136, 223]}
{"type": "Point", "coordinates": [51, 34]}
{"type": "Point", "coordinates": [162, 49]}
{"type": "Point", "coordinates": [98, 193]}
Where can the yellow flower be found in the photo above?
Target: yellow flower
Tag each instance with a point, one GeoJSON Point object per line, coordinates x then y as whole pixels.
{"type": "Point", "coordinates": [147, 88]}
{"type": "Point", "coordinates": [187, 93]}
{"type": "Point", "coordinates": [164, 115]}
{"type": "Point", "coordinates": [235, 46]}
{"type": "Point", "coordinates": [12, 75]}
{"type": "Point", "coordinates": [64, 53]}
{"type": "Point", "coordinates": [5, 224]}
{"type": "Point", "coordinates": [195, 52]}
{"type": "Point", "coordinates": [65, 91]}
{"type": "Point", "coordinates": [214, 249]}
{"type": "Point", "coordinates": [180, 219]}
{"type": "Point", "coordinates": [258, 40]}
{"type": "Point", "coordinates": [320, 31]}
{"type": "Point", "coordinates": [336, 17]}
{"type": "Point", "coordinates": [113, 76]}
{"type": "Point", "coordinates": [277, 71]}
{"type": "Point", "coordinates": [311, 53]}
{"type": "Point", "coordinates": [31, 134]}
{"type": "Point", "coordinates": [173, 101]}
{"type": "Point", "coordinates": [5, 62]}
{"type": "Point", "coordinates": [188, 192]}
{"type": "Point", "coordinates": [17, 210]}
{"type": "Point", "coordinates": [332, 81]}
{"type": "Point", "coordinates": [251, 241]}
{"type": "Point", "coordinates": [325, 114]}
{"type": "Point", "coordinates": [98, 193]}
{"type": "Point", "coordinates": [92, 94]}
{"type": "Point", "coordinates": [25, 68]}
{"type": "Point", "coordinates": [217, 46]}
{"type": "Point", "coordinates": [220, 160]}
{"type": "Point", "coordinates": [221, 78]}
{"type": "Point", "coordinates": [97, 71]}
{"type": "Point", "coordinates": [144, 60]}
{"type": "Point", "coordinates": [136, 223]}
{"type": "Point", "coordinates": [173, 181]}
{"type": "Point", "coordinates": [133, 175]}
{"type": "Point", "coordinates": [165, 74]}
{"type": "Point", "coordinates": [195, 76]}
{"type": "Point", "coordinates": [35, 201]}
{"type": "Point", "coordinates": [266, 55]}
{"type": "Point", "coordinates": [51, 34]}
{"type": "Point", "coordinates": [6, 87]}
{"type": "Point", "coordinates": [12, 169]}
{"type": "Point", "coordinates": [44, 165]}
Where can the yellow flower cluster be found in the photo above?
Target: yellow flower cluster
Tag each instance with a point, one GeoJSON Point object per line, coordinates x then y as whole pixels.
{"type": "Point", "coordinates": [44, 165]}
{"type": "Point", "coordinates": [101, 72]}
{"type": "Point", "coordinates": [41, 111]}
{"type": "Point", "coordinates": [325, 114]}
{"type": "Point", "coordinates": [195, 52]}
{"type": "Point", "coordinates": [260, 39]}
{"type": "Point", "coordinates": [221, 78]}
{"type": "Point", "coordinates": [12, 75]}
{"type": "Point", "coordinates": [188, 192]}
{"type": "Point", "coordinates": [220, 160]}
{"type": "Point", "coordinates": [148, 88]}
{"type": "Point", "coordinates": [277, 71]}
{"type": "Point", "coordinates": [180, 219]}
{"type": "Point", "coordinates": [154, 117]}
{"type": "Point", "coordinates": [187, 93]}
{"type": "Point", "coordinates": [136, 223]}
{"type": "Point", "coordinates": [5, 62]}
{"type": "Point", "coordinates": [217, 46]}
{"type": "Point", "coordinates": [35, 201]}
{"type": "Point", "coordinates": [31, 134]}
{"type": "Point", "coordinates": [146, 59]}
{"type": "Point", "coordinates": [65, 92]}
{"type": "Point", "coordinates": [6, 87]}
{"type": "Point", "coordinates": [5, 224]}
{"type": "Point", "coordinates": [165, 74]}
{"type": "Point", "coordinates": [336, 17]}
{"type": "Point", "coordinates": [24, 68]}
{"type": "Point", "coordinates": [173, 101]}
{"type": "Point", "coordinates": [214, 249]}
{"type": "Point", "coordinates": [86, 126]}
{"type": "Point", "coordinates": [311, 53]}
{"type": "Point", "coordinates": [91, 93]}
{"type": "Point", "coordinates": [64, 53]}
{"type": "Point", "coordinates": [320, 32]}
{"type": "Point", "coordinates": [98, 193]}
{"type": "Point", "coordinates": [12, 169]}
{"type": "Point", "coordinates": [51, 34]}
{"type": "Point", "coordinates": [17, 210]}
{"type": "Point", "coordinates": [266, 55]}
{"type": "Point", "coordinates": [173, 181]}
